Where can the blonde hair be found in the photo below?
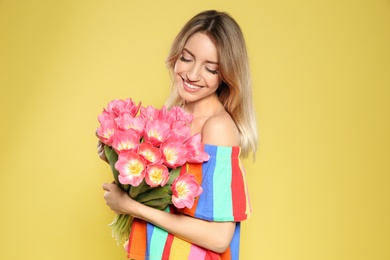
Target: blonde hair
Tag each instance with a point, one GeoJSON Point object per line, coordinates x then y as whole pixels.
{"type": "Point", "coordinates": [235, 92]}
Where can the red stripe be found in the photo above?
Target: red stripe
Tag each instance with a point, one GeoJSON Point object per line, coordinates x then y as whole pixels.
{"type": "Point", "coordinates": [167, 247]}
{"type": "Point", "coordinates": [238, 187]}
{"type": "Point", "coordinates": [169, 241]}
{"type": "Point", "coordinates": [210, 255]}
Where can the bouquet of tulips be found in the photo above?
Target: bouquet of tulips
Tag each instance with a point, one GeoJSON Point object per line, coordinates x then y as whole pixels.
{"type": "Point", "coordinates": [145, 148]}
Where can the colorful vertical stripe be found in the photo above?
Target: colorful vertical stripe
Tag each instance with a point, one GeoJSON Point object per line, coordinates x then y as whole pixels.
{"type": "Point", "coordinates": [225, 196]}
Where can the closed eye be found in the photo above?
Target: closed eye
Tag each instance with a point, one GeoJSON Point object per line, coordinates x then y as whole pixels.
{"type": "Point", "coordinates": [212, 71]}
{"type": "Point", "coordinates": [184, 59]}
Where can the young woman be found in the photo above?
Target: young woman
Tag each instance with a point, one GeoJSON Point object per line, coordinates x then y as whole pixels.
{"type": "Point", "coordinates": [211, 80]}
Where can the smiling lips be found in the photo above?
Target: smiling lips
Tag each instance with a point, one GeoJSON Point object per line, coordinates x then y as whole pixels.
{"type": "Point", "coordinates": [190, 88]}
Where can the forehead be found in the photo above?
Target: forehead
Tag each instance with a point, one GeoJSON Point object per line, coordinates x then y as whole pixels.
{"type": "Point", "coordinates": [202, 47]}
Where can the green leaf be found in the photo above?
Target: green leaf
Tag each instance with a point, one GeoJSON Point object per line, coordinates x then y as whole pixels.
{"type": "Point", "coordinates": [155, 193]}
{"type": "Point", "coordinates": [159, 203]}
{"type": "Point", "coordinates": [134, 191]}
{"type": "Point", "coordinates": [112, 158]}
{"type": "Point", "coordinates": [172, 176]}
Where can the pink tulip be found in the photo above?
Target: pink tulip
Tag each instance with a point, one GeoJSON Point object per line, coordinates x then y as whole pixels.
{"type": "Point", "coordinates": [156, 175]}
{"type": "Point", "coordinates": [138, 124]}
{"type": "Point", "coordinates": [126, 121]}
{"type": "Point", "coordinates": [115, 108]}
{"type": "Point", "coordinates": [184, 191]}
{"type": "Point", "coordinates": [180, 131]}
{"type": "Point", "coordinates": [156, 132]}
{"type": "Point", "coordinates": [173, 153]}
{"type": "Point", "coordinates": [118, 106]}
{"type": "Point", "coordinates": [106, 131]}
{"type": "Point", "coordinates": [131, 107]}
{"type": "Point", "coordinates": [125, 140]}
{"type": "Point", "coordinates": [149, 152]}
{"type": "Point", "coordinates": [174, 115]}
{"type": "Point", "coordinates": [105, 116]}
{"type": "Point", "coordinates": [109, 118]}
{"type": "Point", "coordinates": [131, 167]}
{"type": "Point", "coordinates": [167, 116]}
{"type": "Point", "coordinates": [194, 146]}
{"type": "Point", "coordinates": [149, 113]}
{"type": "Point", "coordinates": [181, 115]}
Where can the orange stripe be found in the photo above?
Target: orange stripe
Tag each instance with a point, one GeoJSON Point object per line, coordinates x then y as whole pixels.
{"type": "Point", "coordinates": [137, 239]}
{"type": "Point", "coordinates": [226, 255]}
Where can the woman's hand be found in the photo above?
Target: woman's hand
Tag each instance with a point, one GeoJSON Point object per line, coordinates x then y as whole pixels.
{"type": "Point", "coordinates": [117, 199]}
{"type": "Point", "coordinates": [102, 154]}
{"type": "Point", "coordinates": [100, 147]}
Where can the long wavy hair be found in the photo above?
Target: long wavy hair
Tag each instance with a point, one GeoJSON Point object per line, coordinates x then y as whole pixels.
{"type": "Point", "coordinates": [235, 91]}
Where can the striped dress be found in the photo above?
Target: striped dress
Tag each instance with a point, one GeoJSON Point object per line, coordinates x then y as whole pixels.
{"type": "Point", "coordinates": [224, 198]}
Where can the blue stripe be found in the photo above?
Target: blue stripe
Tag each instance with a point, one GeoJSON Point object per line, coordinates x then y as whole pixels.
{"type": "Point", "coordinates": [205, 205]}
{"type": "Point", "coordinates": [149, 234]}
{"type": "Point", "coordinates": [235, 244]}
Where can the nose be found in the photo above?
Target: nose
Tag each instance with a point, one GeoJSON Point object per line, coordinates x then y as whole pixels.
{"type": "Point", "coordinates": [192, 74]}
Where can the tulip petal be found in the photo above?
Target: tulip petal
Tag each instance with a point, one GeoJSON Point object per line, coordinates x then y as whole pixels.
{"type": "Point", "coordinates": [156, 132]}
{"type": "Point", "coordinates": [125, 140]}
{"type": "Point", "coordinates": [149, 152]}
{"type": "Point", "coordinates": [174, 154]}
{"type": "Point", "coordinates": [149, 113]}
{"type": "Point", "coordinates": [131, 168]}
{"type": "Point", "coordinates": [196, 153]}
{"type": "Point", "coordinates": [106, 131]}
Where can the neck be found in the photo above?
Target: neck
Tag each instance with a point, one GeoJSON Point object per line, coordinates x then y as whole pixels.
{"type": "Point", "coordinates": [203, 108]}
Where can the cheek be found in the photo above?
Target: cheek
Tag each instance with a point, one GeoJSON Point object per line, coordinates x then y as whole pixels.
{"type": "Point", "coordinates": [176, 74]}
{"type": "Point", "coordinates": [178, 68]}
{"type": "Point", "coordinates": [175, 69]}
{"type": "Point", "coordinates": [214, 81]}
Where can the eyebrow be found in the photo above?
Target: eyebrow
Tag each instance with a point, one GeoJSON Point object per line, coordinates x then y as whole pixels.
{"type": "Point", "coordinates": [207, 61]}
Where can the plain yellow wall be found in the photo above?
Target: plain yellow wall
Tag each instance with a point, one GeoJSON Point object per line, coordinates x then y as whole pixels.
{"type": "Point", "coordinates": [320, 184]}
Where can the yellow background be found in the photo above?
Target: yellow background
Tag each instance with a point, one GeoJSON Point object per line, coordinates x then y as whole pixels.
{"type": "Point", "coordinates": [320, 184]}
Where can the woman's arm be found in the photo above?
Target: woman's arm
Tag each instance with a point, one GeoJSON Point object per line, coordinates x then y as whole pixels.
{"type": "Point", "coordinates": [215, 236]}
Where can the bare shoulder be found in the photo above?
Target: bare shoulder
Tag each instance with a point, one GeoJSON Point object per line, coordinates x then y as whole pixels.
{"type": "Point", "coordinates": [221, 130]}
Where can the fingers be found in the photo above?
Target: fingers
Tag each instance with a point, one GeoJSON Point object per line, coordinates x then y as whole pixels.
{"type": "Point", "coordinates": [100, 145]}
{"type": "Point", "coordinates": [106, 186]}
{"type": "Point", "coordinates": [101, 152]}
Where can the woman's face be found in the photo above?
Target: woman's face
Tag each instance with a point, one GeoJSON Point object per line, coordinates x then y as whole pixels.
{"type": "Point", "coordinates": [196, 70]}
